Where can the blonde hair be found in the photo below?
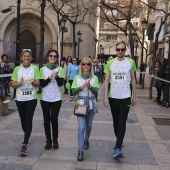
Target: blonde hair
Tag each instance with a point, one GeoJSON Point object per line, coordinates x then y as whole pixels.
{"type": "Point", "coordinates": [85, 60]}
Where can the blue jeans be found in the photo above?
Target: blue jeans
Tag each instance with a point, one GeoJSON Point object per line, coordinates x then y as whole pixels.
{"type": "Point", "coordinates": [2, 87]}
{"type": "Point", "coordinates": [84, 127]}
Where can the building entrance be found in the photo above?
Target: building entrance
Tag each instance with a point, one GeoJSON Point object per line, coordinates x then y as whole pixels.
{"type": "Point", "coordinates": [28, 41]}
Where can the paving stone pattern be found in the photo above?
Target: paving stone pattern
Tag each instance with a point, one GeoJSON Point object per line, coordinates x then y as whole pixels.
{"type": "Point", "coordinates": [146, 145]}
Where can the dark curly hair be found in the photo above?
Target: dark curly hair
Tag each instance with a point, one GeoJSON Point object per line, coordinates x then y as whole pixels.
{"type": "Point", "coordinates": [3, 55]}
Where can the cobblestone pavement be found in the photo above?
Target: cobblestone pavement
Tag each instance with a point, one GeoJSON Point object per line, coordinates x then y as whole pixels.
{"type": "Point", "coordinates": [146, 145]}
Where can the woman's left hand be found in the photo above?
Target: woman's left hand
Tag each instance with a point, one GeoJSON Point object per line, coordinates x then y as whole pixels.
{"type": "Point", "coordinates": [56, 74]}
{"type": "Point", "coordinates": [31, 81]}
{"type": "Point", "coordinates": [86, 84]}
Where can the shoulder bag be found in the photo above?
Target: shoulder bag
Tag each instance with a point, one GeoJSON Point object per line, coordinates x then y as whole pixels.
{"type": "Point", "coordinates": [81, 110]}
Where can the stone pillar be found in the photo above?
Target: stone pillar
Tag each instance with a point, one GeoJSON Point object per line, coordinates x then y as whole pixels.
{"type": "Point", "coordinates": [1, 48]}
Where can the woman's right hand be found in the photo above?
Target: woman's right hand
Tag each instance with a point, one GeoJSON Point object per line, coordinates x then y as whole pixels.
{"type": "Point", "coordinates": [52, 74]}
{"type": "Point", "coordinates": [106, 102]}
{"type": "Point", "coordinates": [21, 82]}
{"type": "Point", "coordinates": [86, 84]}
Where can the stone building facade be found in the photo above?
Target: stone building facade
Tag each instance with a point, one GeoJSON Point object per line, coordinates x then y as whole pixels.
{"type": "Point", "coordinates": [30, 14]}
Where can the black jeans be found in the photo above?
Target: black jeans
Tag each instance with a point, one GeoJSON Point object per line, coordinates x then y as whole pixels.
{"type": "Point", "coordinates": [26, 112]}
{"type": "Point", "coordinates": [119, 109]}
{"type": "Point", "coordinates": [163, 92]}
{"type": "Point", "coordinates": [50, 114]}
{"type": "Point", "coordinates": [71, 82]}
{"type": "Point", "coordinates": [65, 90]}
{"type": "Point", "coordinates": [158, 93]}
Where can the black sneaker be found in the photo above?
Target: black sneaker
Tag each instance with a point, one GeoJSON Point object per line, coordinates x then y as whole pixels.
{"type": "Point", "coordinates": [48, 146]}
{"type": "Point", "coordinates": [55, 144]}
{"type": "Point", "coordinates": [80, 156]}
{"type": "Point", "coordinates": [86, 144]}
{"type": "Point", "coordinates": [23, 150]}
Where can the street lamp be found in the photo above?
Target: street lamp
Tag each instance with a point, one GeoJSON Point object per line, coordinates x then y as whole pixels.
{"type": "Point", "coordinates": [101, 48]}
{"type": "Point", "coordinates": [62, 24]}
{"type": "Point", "coordinates": [18, 27]}
{"type": "Point", "coordinates": [6, 10]}
{"type": "Point", "coordinates": [109, 49]}
{"type": "Point", "coordinates": [144, 23]}
{"type": "Point", "coordinates": [166, 103]}
{"type": "Point", "coordinates": [136, 44]}
{"type": "Point", "coordinates": [79, 41]}
{"type": "Point", "coordinates": [96, 41]}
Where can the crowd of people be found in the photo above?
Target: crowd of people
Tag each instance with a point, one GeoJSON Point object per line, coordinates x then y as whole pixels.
{"type": "Point", "coordinates": [84, 77]}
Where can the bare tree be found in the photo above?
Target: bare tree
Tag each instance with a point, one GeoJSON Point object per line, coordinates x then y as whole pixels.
{"type": "Point", "coordinates": [123, 11]}
{"type": "Point", "coordinates": [160, 8]}
{"type": "Point", "coordinates": [41, 54]}
{"type": "Point", "coordinates": [72, 10]}
{"type": "Point", "coordinates": [115, 12]}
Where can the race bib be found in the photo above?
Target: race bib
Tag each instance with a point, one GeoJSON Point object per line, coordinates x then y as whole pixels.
{"type": "Point", "coordinates": [119, 78]}
{"type": "Point", "coordinates": [26, 92]}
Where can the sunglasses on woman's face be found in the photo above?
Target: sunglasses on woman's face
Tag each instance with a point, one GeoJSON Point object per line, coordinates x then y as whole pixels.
{"type": "Point", "coordinates": [86, 64]}
{"type": "Point", "coordinates": [53, 56]}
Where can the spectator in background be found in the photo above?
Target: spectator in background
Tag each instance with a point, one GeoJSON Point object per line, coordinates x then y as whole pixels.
{"type": "Point", "coordinates": [110, 58]}
{"type": "Point", "coordinates": [128, 56]}
{"type": "Point", "coordinates": [5, 69]}
{"type": "Point", "coordinates": [97, 70]}
{"type": "Point", "coordinates": [161, 74]}
{"type": "Point", "coordinates": [157, 66]}
{"type": "Point", "coordinates": [102, 67]}
{"type": "Point", "coordinates": [67, 63]}
{"type": "Point", "coordinates": [73, 70]}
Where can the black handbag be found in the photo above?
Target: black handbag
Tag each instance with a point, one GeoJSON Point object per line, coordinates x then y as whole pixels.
{"type": "Point", "coordinates": [81, 110]}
